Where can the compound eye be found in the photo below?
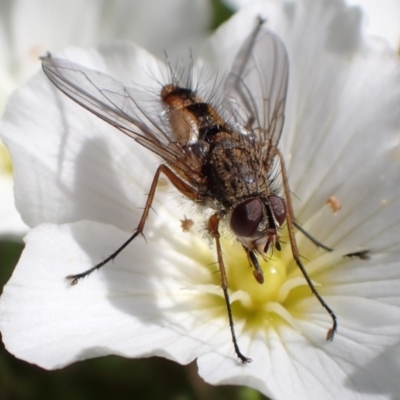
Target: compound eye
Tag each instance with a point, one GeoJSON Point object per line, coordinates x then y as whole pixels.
{"type": "Point", "coordinates": [246, 217]}
{"type": "Point", "coordinates": [278, 208]}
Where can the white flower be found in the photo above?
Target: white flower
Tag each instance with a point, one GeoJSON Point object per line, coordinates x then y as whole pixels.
{"type": "Point", "coordinates": [31, 28]}
{"type": "Point", "coordinates": [88, 182]}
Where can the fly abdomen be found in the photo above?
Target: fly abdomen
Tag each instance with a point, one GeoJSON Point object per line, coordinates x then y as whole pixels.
{"type": "Point", "coordinates": [191, 119]}
{"type": "Point", "coordinates": [209, 122]}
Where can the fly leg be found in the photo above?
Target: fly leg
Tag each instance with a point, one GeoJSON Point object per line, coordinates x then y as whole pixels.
{"type": "Point", "coordinates": [295, 250]}
{"type": "Point", "coordinates": [363, 254]}
{"type": "Point", "coordinates": [213, 223]}
{"type": "Point", "coordinates": [179, 184]}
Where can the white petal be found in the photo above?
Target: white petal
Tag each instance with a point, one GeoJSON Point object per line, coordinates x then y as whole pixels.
{"type": "Point", "coordinates": [138, 306]}
{"type": "Point", "coordinates": [69, 165]}
{"type": "Point", "coordinates": [30, 28]}
{"type": "Point", "coordinates": [42, 25]}
{"type": "Point", "coordinates": [382, 19]}
{"type": "Point", "coordinates": [287, 363]}
{"type": "Point", "coordinates": [352, 141]}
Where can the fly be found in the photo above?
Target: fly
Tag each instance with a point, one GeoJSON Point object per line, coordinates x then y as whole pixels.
{"type": "Point", "coordinates": [221, 158]}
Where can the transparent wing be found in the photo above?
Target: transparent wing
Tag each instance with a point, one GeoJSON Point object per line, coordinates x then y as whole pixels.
{"type": "Point", "coordinates": [111, 101]}
{"type": "Point", "coordinates": [255, 89]}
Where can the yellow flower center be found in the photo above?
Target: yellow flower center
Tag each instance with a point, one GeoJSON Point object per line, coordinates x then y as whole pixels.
{"type": "Point", "coordinates": [276, 301]}
{"type": "Point", "coordinates": [241, 278]}
{"type": "Point", "coordinates": [258, 305]}
{"type": "Point", "coordinates": [261, 305]}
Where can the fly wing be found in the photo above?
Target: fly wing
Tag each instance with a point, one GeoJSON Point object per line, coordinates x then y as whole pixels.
{"type": "Point", "coordinates": [115, 103]}
{"type": "Point", "coordinates": [255, 89]}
